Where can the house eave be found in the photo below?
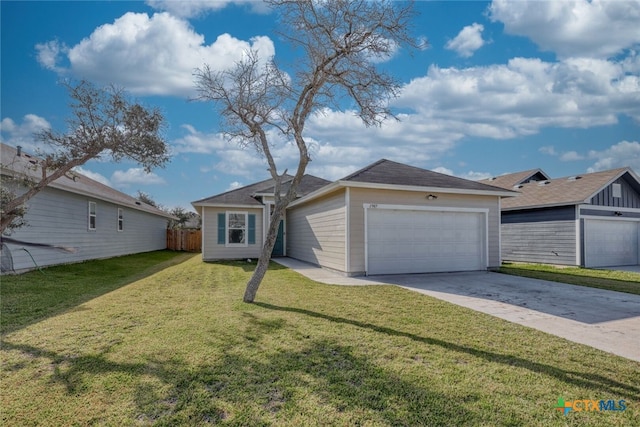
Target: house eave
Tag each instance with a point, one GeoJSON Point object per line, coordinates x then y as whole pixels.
{"type": "Point", "coordinates": [227, 205]}
{"type": "Point", "coordinates": [548, 205]}
{"type": "Point", "coordinates": [416, 188]}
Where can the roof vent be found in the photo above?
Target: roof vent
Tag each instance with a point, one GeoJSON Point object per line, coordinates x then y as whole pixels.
{"type": "Point", "coordinates": [518, 186]}
{"type": "Point", "coordinates": [543, 183]}
{"type": "Point", "coordinates": [574, 178]}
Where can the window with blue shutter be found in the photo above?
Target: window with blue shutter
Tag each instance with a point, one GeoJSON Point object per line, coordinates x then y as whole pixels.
{"type": "Point", "coordinates": [222, 220]}
{"type": "Point", "coordinates": [252, 229]}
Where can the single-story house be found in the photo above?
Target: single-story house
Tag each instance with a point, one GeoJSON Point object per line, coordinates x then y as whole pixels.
{"type": "Point", "coordinates": [387, 218]}
{"type": "Point", "coordinates": [77, 212]}
{"type": "Point", "coordinates": [589, 220]}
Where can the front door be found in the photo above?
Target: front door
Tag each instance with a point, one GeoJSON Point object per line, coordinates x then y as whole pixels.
{"type": "Point", "coordinates": [278, 248]}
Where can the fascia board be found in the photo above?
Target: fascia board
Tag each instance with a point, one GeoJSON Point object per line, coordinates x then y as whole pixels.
{"type": "Point", "coordinates": [375, 186]}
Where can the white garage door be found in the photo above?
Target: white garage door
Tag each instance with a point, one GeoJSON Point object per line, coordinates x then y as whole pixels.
{"type": "Point", "coordinates": [610, 243]}
{"type": "Point", "coordinates": [417, 241]}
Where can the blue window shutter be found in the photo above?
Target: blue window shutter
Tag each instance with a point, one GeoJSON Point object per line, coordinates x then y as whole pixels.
{"type": "Point", "coordinates": [221, 228]}
{"type": "Point", "coordinates": [252, 229]}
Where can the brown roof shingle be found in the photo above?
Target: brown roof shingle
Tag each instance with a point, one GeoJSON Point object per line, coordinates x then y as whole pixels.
{"type": "Point", "coordinates": [389, 172]}
{"type": "Point", "coordinates": [28, 165]}
{"type": "Point", "coordinates": [244, 196]}
{"type": "Point", "coordinates": [562, 191]}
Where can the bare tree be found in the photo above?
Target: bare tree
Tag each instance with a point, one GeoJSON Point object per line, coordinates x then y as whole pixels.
{"type": "Point", "coordinates": [340, 42]}
{"type": "Point", "coordinates": [104, 122]}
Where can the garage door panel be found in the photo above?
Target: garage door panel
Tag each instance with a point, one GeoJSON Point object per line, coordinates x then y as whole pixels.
{"type": "Point", "coordinates": [417, 241]}
{"type": "Point", "coordinates": [610, 243]}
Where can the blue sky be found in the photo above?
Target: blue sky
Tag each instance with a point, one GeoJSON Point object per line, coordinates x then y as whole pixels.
{"type": "Point", "coordinates": [504, 86]}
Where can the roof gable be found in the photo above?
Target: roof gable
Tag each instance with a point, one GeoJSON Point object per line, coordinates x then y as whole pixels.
{"type": "Point", "coordinates": [388, 172]}
{"type": "Point", "coordinates": [246, 196]}
{"type": "Point", "coordinates": [571, 190]}
{"type": "Point", "coordinates": [510, 180]}
{"type": "Point", "coordinates": [73, 182]}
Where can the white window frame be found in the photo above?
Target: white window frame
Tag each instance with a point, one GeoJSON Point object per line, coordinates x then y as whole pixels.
{"type": "Point", "coordinates": [93, 215]}
{"type": "Point", "coordinates": [228, 229]}
{"type": "Point", "coordinates": [616, 190]}
{"type": "Point", "coordinates": [120, 221]}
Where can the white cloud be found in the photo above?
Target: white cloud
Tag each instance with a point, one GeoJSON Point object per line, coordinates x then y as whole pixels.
{"type": "Point", "coordinates": [470, 175]}
{"type": "Point", "coordinates": [194, 8]}
{"type": "Point", "coordinates": [124, 179]}
{"type": "Point", "coordinates": [571, 156]}
{"type": "Point", "coordinates": [597, 28]}
{"type": "Point", "coordinates": [49, 54]}
{"type": "Point", "coordinates": [624, 153]}
{"type": "Point", "coordinates": [234, 185]}
{"type": "Point", "coordinates": [93, 175]}
{"type": "Point", "coordinates": [198, 142]}
{"type": "Point", "coordinates": [149, 55]}
{"type": "Point", "coordinates": [14, 134]}
{"type": "Point", "coordinates": [523, 96]}
{"type": "Point", "coordinates": [548, 149]}
{"type": "Point", "coordinates": [467, 41]}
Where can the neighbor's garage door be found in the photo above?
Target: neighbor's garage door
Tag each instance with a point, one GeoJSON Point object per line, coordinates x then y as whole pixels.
{"type": "Point", "coordinates": [418, 241]}
{"type": "Point", "coordinates": [610, 243]}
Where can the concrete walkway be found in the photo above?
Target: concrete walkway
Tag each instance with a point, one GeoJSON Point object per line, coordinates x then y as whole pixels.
{"type": "Point", "coordinates": [606, 320]}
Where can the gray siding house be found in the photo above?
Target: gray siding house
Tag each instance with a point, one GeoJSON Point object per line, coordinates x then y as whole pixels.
{"type": "Point", "coordinates": [77, 212]}
{"type": "Point", "coordinates": [588, 220]}
{"type": "Point", "coordinates": [387, 218]}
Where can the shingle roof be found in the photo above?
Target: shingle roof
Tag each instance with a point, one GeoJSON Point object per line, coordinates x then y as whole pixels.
{"type": "Point", "coordinates": [244, 196]}
{"type": "Point", "coordinates": [563, 191]}
{"type": "Point", "coordinates": [389, 172]}
{"type": "Point", "coordinates": [26, 164]}
{"type": "Point", "coordinates": [510, 180]}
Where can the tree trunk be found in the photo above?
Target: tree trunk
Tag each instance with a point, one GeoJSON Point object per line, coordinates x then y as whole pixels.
{"type": "Point", "coordinates": [265, 256]}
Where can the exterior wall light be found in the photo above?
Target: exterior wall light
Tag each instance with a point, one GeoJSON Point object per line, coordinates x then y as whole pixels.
{"type": "Point", "coordinates": [617, 213]}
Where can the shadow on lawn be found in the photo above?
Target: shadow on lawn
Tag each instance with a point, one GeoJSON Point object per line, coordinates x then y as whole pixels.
{"type": "Point", "coordinates": [31, 297]}
{"type": "Point", "coordinates": [577, 378]}
{"type": "Point", "coordinates": [322, 382]}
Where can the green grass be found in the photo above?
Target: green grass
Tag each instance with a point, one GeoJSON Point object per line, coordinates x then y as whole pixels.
{"type": "Point", "coordinates": [613, 280]}
{"type": "Point", "coordinates": [36, 295]}
{"type": "Point", "coordinates": [178, 347]}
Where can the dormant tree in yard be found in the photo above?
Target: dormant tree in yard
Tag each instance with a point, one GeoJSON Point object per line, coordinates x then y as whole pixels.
{"type": "Point", "coordinates": [104, 122]}
{"type": "Point", "coordinates": [339, 42]}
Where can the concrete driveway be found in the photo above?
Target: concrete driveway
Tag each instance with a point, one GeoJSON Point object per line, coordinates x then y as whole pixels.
{"type": "Point", "coordinates": [606, 320]}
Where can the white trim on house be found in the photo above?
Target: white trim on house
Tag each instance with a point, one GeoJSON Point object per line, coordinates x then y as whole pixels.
{"type": "Point", "coordinates": [578, 237]}
{"type": "Point", "coordinates": [347, 230]}
{"type": "Point", "coordinates": [607, 208]}
{"type": "Point", "coordinates": [120, 220]}
{"type": "Point", "coordinates": [499, 233]}
{"type": "Point", "coordinates": [227, 228]}
{"type": "Point", "coordinates": [93, 215]}
{"type": "Point", "coordinates": [378, 206]}
{"type": "Point", "coordinates": [346, 184]}
{"type": "Point", "coordinates": [228, 205]}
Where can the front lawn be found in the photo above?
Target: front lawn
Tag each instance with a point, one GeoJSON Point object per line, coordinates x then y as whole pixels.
{"type": "Point", "coordinates": [613, 280]}
{"type": "Point", "coordinates": [179, 347]}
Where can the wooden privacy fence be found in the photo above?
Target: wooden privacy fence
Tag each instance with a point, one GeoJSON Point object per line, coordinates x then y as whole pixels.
{"type": "Point", "coordinates": [184, 240]}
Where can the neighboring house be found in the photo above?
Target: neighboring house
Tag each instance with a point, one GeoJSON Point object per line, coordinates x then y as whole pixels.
{"type": "Point", "coordinates": [387, 218]}
{"type": "Point", "coordinates": [589, 220]}
{"type": "Point", "coordinates": [78, 212]}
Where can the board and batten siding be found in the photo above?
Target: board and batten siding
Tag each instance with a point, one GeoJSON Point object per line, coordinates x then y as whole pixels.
{"type": "Point", "coordinates": [316, 231]}
{"type": "Point", "coordinates": [61, 218]}
{"type": "Point", "coordinates": [545, 235]}
{"type": "Point", "coordinates": [359, 196]}
{"type": "Point", "coordinates": [212, 250]}
{"type": "Point", "coordinates": [629, 197]}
